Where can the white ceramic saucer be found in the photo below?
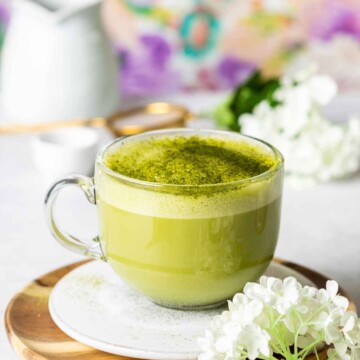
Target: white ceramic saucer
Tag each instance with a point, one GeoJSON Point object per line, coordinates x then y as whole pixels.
{"type": "Point", "coordinates": [93, 306]}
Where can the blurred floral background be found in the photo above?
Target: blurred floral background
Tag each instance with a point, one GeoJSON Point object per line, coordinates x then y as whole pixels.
{"type": "Point", "coordinates": [215, 44]}
{"type": "Point", "coordinates": [268, 57]}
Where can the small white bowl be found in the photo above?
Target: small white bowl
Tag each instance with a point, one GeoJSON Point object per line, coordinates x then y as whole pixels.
{"type": "Point", "coordinates": [66, 151]}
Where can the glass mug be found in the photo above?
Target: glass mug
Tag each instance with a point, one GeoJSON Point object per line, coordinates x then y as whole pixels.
{"type": "Point", "coordinates": [183, 246]}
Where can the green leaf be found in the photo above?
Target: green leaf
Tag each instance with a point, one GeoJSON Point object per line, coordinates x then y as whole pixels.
{"type": "Point", "coordinates": [245, 98]}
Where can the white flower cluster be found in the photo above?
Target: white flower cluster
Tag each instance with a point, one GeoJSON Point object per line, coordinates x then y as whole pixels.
{"type": "Point", "coordinates": [313, 147]}
{"type": "Point", "coordinates": [284, 318]}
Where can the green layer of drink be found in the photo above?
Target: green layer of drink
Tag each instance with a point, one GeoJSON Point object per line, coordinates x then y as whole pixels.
{"type": "Point", "coordinates": [190, 261]}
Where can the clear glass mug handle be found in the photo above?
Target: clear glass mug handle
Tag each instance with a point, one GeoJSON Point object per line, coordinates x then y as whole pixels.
{"type": "Point", "coordinates": [90, 247]}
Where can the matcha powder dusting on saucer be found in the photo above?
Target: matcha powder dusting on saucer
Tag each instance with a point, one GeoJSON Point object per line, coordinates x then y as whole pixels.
{"type": "Point", "coordinates": [193, 160]}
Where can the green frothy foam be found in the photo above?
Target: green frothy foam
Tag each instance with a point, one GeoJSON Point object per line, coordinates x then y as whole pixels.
{"type": "Point", "coordinates": [192, 160]}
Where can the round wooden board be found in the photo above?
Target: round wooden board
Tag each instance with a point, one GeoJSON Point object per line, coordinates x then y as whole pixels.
{"type": "Point", "coordinates": [34, 335]}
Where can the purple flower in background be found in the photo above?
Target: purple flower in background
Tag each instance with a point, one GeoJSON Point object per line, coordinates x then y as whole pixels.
{"type": "Point", "coordinates": [335, 18]}
{"type": "Point", "coordinates": [232, 71]}
{"type": "Point", "coordinates": [4, 21]}
{"type": "Point", "coordinates": [148, 70]}
{"type": "Point", "coordinates": [157, 49]}
{"type": "Point", "coordinates": [4, 14]}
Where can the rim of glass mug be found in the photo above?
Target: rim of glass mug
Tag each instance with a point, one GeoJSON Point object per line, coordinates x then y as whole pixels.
{"type": "Point", "coordinates": [265, 175]}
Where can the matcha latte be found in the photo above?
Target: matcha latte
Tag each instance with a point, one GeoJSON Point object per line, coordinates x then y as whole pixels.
{"type": "Point", "coordinates": [187, 217]}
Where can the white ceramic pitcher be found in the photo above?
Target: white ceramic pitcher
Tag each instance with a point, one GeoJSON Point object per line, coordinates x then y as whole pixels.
{"type": "Point", "coordinates": [57, 62]}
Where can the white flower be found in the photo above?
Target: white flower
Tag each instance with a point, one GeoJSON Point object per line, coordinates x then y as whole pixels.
{"type": "Point", "coordinates": [351, 328]}
{"type": "Point", "coordinates": [331, 293]}
{"type": "Point", "coordinates": [314, 148]}
{"type": "Point", "coordinates": [281, 316]}
{"type": "Point", "coordinates": [250, 338]}
{"type": "Point", "coordinates": [322, 89]}
{"type": "Point", "coordinates": [334, 355]}
{"type": "Point", "coordinates": [244, 310]}
{"type": "Point", "coordinates": [281, 295]}
{"type": "Point", "coordinates": [255, 341]}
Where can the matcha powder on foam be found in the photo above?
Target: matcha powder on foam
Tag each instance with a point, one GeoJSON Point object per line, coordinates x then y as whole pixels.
{"type": "Point", "coordinates": [193, 160]}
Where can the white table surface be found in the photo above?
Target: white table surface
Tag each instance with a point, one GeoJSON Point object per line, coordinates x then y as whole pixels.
{"type": "Point", "coordinates": [320, 226]}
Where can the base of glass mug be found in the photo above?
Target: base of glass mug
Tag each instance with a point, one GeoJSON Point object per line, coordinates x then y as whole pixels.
{"type": "Point", "coordinates": [190, 307]}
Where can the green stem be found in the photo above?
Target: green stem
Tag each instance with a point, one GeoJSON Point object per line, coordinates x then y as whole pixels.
{"type": "Point", "coordinates": [297, 333]}
{"type": "Point", "coordinates": [277, 332]}
{"type": "Point", "coordinates": [283, 349]}
{"type": "Point", "coordinates": [306, 350]}
{"type": "Point", "coordinates": [316, 354]}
